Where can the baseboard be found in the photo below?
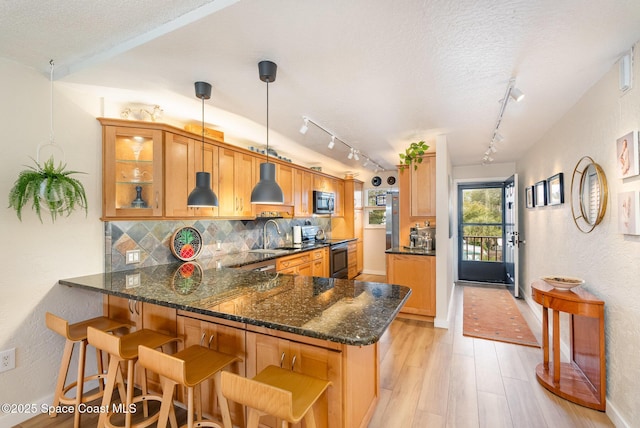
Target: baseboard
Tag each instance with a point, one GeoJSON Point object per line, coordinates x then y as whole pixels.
{"type": "Point", "coordinates": [445, 323]}
{"type": "Point", "coordinates": [12, 419]}
{"type": "Point", "coordinates": [615, 416]}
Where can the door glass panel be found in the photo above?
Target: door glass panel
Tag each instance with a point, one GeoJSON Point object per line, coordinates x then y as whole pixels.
{"type": "Point", "coordinates": [482, 227]}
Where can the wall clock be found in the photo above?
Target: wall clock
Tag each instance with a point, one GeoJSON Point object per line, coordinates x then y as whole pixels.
{"type": "Point", "coordinates": [376, 181]}
{"type": "Point", "coordinates": [391, 180]}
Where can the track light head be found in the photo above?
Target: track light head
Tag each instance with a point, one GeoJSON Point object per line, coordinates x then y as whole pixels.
{"type": "Point", "coordinates": [498, 138]}
{"type": "Point", "coordinates": [332, 142]}
{"type": "Point", "coordinates": [492, 148]}
{"type": "Point", "coordinates": [350, 155]}
{"type": "Point", "coordinates": [355, 155]}
{"type": "Point", "coordinates": [516, 94]}
{"type": "Point", "coordinates": [305, 127]}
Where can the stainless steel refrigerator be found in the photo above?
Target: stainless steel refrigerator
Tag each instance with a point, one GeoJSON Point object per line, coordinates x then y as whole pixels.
{"type": "Point", "coordinates": [393, 219]}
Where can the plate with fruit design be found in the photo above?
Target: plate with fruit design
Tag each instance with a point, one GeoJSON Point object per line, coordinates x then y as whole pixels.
{"type": "Point", "coordinates": [186, 243]}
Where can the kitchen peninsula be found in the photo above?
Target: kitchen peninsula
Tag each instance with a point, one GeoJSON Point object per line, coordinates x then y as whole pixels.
{"type": "Point", "coordinates": [324, 327]}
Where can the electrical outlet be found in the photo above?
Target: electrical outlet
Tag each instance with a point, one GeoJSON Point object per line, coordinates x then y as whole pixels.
{"type": "Point", "coordinates": [7, 360]}
{"type": "Point", "coordinates": [132, 257]}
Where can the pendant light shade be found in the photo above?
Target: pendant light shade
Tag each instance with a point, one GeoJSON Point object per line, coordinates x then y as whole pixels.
{"type": "Point", "coordinates": [267, 191]}
{"type": "Point", "coordinates": [202, 195]}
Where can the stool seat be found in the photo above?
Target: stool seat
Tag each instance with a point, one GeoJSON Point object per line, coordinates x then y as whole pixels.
{"type": "Point", "coordinates": [77, 333]}
{"type": "Point", "coordinates": [125, 349]}
{"type": "Point", "coordinates": [189, 367]}
{"type": "Point", "coordinates": [275, 391]}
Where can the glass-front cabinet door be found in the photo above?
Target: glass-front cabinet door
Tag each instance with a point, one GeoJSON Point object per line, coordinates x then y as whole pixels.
{"type": "Point", "coordinates": [132, 175]}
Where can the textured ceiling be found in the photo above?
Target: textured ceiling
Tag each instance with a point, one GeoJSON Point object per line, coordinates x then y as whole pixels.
{"type": "Point", "coordinates": [378, 74]}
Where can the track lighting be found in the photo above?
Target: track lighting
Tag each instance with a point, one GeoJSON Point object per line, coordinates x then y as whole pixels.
{"type": "Point", "coordinates": [353, 152]}
{"type": "Point", "coordinates": [516, 94]}
{"type": "Point", "coordinates": [366, 162]}
{"type": "Point", "coordinates": [511, 93]}
{"type": "Point", "coordinates": [305, 127]}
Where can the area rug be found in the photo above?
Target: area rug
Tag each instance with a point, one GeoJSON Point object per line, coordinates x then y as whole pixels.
{"type": "Point", "coordinates": [491, 313]}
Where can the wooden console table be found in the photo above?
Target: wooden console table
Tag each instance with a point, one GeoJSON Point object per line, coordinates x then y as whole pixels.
{"type": "Point", "coordinates": [583, 379]}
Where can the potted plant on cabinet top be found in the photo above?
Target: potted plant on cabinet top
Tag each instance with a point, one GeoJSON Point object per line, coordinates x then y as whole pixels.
{"type": "Point", "coordinates": [49, 187]}
{"type": "Point", "coordinates": [413, 155]}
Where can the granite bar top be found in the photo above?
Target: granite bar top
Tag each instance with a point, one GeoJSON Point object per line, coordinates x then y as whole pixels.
{"type": "Point", "coordinates": [410, 251]}
{"type": "Point", "coordinates": [338, 310]}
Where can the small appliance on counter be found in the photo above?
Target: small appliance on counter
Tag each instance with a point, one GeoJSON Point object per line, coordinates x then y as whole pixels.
{"type": "Point", "coordinates": [422, 237]}
{"type": "Point", "coordinates": [297, 235]}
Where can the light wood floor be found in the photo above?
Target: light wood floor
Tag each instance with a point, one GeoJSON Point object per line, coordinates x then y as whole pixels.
{"type": "Point", "coordinates": [439, 378]}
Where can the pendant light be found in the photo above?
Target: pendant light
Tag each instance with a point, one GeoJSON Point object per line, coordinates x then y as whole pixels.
{"type": "Point", "coordinates": [202, 195]}
{"type": "Point", "coordinates": [267, 190]}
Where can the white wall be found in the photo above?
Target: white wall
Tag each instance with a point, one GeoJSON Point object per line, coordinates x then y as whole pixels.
{"type": "Point", "coordinates": [34, 255]}
{"type": "Point", "coordinates": [606, 259]}
{"type": "Point", "coordinates": [375, 260]}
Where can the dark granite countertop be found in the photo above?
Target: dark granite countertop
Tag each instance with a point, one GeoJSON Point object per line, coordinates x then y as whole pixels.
{"type": "Point", "coordinates": [410, 251]}
{"type": "Point", "coordinates": [339, 310]}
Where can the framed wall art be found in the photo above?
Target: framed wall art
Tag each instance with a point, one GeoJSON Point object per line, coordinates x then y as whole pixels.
{"type": "Point", "coordinates": [629, 213]}
{"type": "Point", "coordinates": [540, 194]}
{"type": "Point", "coordinates": [555, 189]}
{"type": "Point", "coordinates": [528, 195]}
{"type": "Point", "coordinates": [627, 151]}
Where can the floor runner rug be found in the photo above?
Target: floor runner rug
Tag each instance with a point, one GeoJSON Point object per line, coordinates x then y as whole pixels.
{"type": "Point", "coordinates": [491, 313]}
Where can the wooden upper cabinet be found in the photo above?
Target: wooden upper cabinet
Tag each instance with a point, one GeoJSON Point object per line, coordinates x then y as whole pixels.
{"type": "Point", "coordinates": [183, 159]}
{"type": "Point", "coordinates": [236, 179]}
{"type": "Point", "coordinates": [284, 178]}
{"type": "Point", "coordinates": [132, 172]}
{"type": "Point", "coordinates": [322, 183]}
{"type": "Point", "coordinates": [358, 194]}
{"type": "Point", "coordinates": [338, 190]}
{"type": "Point", "coordinates": [302, 191]}
{"type": "Point", "coordinates": [423, 187]}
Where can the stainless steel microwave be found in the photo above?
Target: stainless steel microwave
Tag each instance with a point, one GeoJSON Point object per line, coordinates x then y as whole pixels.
{"type": "Point", "coordinates": [323, 202]}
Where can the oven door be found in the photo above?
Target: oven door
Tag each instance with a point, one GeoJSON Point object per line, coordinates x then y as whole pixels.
{"type": "Point", "coordinates": [339, 257]}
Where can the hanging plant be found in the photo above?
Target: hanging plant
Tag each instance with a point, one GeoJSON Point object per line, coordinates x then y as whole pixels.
{"type": "Point", "coordinates": [50, 188]}
{"type": "Point", "coordinates": [413, 155]}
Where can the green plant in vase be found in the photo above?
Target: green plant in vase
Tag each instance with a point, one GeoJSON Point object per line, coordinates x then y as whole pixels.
{"type": "Point", "coordinates": [413, 155]}
{"type": "Point", "coordinates": [48, 187]}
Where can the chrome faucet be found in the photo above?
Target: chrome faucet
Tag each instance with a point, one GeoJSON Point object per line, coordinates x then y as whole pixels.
{"type": "Point", "coordinates": [264, 232]}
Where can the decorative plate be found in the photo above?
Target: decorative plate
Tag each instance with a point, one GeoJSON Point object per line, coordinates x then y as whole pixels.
{"type": "Point", "coordinates": [187, 278]}
{"type": "Point", "coordinates": [186, 243]}
{"type": "Point", "coordinates": [376, 181]}
{"type": "Point", "coordinates": [563, 282]}
{"type": "Point", "coordinates": [391, 180]}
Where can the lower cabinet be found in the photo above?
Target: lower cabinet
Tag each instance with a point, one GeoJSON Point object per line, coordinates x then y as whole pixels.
{"type": "Point", "coordinates": [352, 270]}
{"type": "Point", "coordinates": [264, 350]}
{"type": "Point", "coordinates": [354, 371]}
{"type": "Point", "coordinates": [297, 264]}
{"type": "Point", "coordinates": [320, 263]}
{"type": "Point", "coordinates": [229, 339]}
{"type": "Point", "coordinates": [418, 273]}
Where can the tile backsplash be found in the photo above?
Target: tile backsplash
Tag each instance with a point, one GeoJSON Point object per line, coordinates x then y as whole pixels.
{"type": "Point", "coordinates": [152, 238]}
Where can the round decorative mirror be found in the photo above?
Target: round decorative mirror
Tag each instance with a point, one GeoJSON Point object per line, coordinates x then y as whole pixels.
{"type": "Point", "coordinates": [589, 193]}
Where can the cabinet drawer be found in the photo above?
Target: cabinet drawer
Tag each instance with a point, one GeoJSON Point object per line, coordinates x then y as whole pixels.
{"type": "Point", "coordinates": [291, 261]}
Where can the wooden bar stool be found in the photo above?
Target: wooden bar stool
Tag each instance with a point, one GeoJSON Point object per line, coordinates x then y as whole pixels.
{"type": "Point", "coordinates": [77, 333]}
{"type": "Point", "coordinates": [278, 392]}
{"type": "Point", "coordinates": [125, 349]}
{"type": "Point", "coordinates": [189, 368]}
